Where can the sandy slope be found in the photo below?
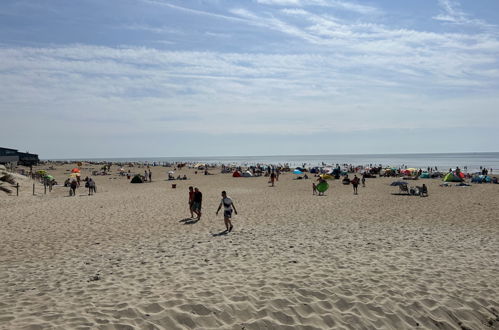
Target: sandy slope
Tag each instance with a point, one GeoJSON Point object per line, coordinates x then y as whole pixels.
{"type": "Point", "coordinates": [124, 258]}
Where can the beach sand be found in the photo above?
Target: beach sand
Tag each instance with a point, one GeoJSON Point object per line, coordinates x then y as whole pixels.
{"type": "Point", "coordinates": [126, 258]}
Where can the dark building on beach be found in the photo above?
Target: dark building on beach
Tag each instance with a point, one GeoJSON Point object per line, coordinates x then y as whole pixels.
{"type": "Point", "coordinates": [8, 155]}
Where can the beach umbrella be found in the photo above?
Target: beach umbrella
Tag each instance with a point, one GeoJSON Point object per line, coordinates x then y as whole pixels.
{"type": "Point", "coordinates": [49, 177]}
{"type": "Point", "coordinates": [398, 183]}
{"type": "Point", "coordinates": [75, 170]}
{"type": "Point", "coordinates": [171, 172]}
{"type": "Point", "coordinates": [297, 172]}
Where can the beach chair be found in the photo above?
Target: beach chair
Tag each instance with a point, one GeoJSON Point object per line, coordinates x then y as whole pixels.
{"type": "Point", "coordinates": [404, 189]}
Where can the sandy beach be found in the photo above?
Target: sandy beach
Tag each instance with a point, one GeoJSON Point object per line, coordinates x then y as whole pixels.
{"type": "Point", "coordinates": [128, 258]}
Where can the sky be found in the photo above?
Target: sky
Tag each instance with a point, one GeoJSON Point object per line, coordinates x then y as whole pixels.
{"type": "Point", "coordinates": [146, 78]}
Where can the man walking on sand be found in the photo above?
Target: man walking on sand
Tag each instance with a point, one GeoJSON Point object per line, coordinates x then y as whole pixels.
{"type": "Point", "coordinates": [196, 203]}
{"type": "Point", "coordinates": [191, 200]}
{"type": "Point", "coordinates": [355, 184]}
{"type": "Point", "coordinates": [272, 178]}
{"type": "Point", "coordinates": [228, 207]}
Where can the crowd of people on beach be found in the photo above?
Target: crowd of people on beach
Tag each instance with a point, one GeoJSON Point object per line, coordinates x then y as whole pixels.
{"type": "Point", "coordinates": [320, 174]}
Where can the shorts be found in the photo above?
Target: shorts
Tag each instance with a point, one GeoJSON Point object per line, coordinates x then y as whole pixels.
{"type": "Point", "coordinates": [228, 214]}
{"type": "Point", "coordinates": [196, 206]}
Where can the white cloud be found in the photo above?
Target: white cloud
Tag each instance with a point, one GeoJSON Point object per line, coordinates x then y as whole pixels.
{"type": "Point", "coordinates": [452, 13]}
{"type": "Point", "coordinates": [344, 5]}
{"type": "Point", "coordinates": [258, 93]}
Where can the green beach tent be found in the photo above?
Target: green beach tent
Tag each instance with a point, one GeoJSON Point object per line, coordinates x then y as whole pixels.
{"type": "Point", "coordinates": [451, 177]}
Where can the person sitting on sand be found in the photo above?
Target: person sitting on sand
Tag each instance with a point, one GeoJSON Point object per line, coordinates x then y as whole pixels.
{"type": "Point", "coordinates": [228, 207]}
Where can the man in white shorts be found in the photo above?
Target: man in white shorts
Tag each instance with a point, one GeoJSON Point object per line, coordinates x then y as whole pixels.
{"type": "Point", "coordinates": [228, 207]}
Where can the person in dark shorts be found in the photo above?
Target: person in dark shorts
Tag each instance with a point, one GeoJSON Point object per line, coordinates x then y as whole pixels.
{"type": "Point", "coordinates": [91, 186]}
{"type": "Point", "coordinates": [191, 200]}
{"type": "Point", "coordinates": [72, 188]}
{"type": "Point", "coordinates": [228, 205]}
{"type": "Point", "coordinates": [355, 184]}
{"type": "Point", "coordinates": [272, 178]}
{"type": "Point", "coordinates": [196, 203]}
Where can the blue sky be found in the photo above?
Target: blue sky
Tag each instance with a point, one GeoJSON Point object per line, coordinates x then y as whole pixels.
{"type": "Point", "coordinates": [123, 78]}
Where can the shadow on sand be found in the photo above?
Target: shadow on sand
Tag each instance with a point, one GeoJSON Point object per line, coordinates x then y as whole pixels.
{"type": "Point", "coordinates": [189, 221]}
{"type": "Point", "coordinates": [222, 233]}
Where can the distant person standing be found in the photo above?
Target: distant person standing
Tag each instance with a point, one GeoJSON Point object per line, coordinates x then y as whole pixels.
{"type": "Point", "coordinates": [145, 175]}
{"type": "Point", "coordinates": [91, 186]}
{"type": "Point", "coordinates": [272, 178]}
{"type": "Point", "coordinates": [363, 180]}
{"type": "Point", "coordinates": [191, 200]}
{"type": "Point", "coordinates": [355, 184]}
{"type": "Point", "coordinates": [197, 202]}
{"type": "Point", "coordinates": [72, 188]}
{"type": "Point", "coordinates": [228, 205]}
{"type": "Point", "coordinates": [150, 175]}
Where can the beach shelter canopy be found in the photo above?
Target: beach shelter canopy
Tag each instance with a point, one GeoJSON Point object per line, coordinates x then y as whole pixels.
{"type": "Point", "coordinates": [314, 170]}
{"type": "Point", "coordinates": [247, 174]}
{"type": "Point", "coordinates": [75, 170]}
{"type": "Point", "coordinates": [297, 171]}
{"type": "Point", "coordinates": [136, 179]}
{"type": "Point", "coordinates": [425, 175]}
{"type": "Point", "coordinates": [236, 174]}
{"type": "Point", "coordinates": [398, 183]}
{"type": "Point", "coordinates": [451, 177]}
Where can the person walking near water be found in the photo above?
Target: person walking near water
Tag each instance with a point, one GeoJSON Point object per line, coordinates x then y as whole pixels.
{"type": "Point", "coordinates": [228, 205]}
{"type": "Point", "coordinates": [355, 184]}
{"type": "Point", "coordinates": [196, 203]}
{"type": "Point", "coordinates": [191, 200]}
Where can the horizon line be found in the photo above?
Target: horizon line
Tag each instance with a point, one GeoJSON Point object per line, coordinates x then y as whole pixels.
{"type": "Point", "coordinates": [284, 155]}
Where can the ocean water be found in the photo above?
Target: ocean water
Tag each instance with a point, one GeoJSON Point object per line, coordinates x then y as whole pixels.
{"type": "Point", "coordinates": [443, 161]}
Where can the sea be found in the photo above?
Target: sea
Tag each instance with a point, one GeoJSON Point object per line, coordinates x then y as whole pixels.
{"type": "Point", "coordinates": [472, 161]}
